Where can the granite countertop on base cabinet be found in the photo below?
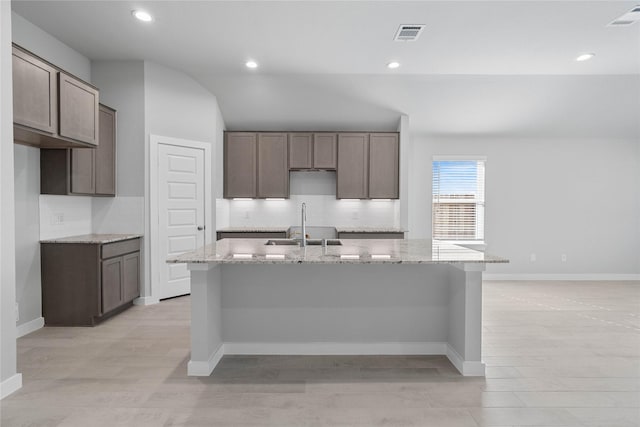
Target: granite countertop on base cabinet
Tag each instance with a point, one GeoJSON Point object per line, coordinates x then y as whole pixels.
{"type": "Point", "coordinates": [96, 239]}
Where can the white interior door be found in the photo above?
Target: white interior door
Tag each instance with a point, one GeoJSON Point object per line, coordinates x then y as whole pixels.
{"type": "Point", "coordinates": [181, 216]}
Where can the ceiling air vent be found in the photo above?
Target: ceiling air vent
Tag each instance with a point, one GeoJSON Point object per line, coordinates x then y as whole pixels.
{"type": "Point", "coordinates": [628, 18]}
{"type": "Point", "coordinates": [408, 32]}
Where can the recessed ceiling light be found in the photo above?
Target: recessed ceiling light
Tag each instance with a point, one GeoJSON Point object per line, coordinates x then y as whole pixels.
{"type": "Point", "coordinates": [393, 65]}
{"type": "Point", "coordinates": [142, 15]}
{"type": "Point", "coordinates": [585, 57]}
{"type": "Point", "coordinates": [251, 64]}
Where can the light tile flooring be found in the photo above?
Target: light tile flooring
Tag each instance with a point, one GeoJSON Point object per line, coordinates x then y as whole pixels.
{"type": "Point", "coordinates": [557, 354]}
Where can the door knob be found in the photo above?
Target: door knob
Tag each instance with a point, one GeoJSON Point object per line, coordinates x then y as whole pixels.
{"type": "Point", "coordinates": [200, 227]}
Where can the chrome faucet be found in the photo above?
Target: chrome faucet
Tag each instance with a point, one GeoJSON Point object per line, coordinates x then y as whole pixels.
{"type": "Point", "coordinates": [303, 228]}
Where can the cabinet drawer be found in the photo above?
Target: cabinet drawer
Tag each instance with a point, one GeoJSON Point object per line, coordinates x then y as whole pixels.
{"type": "Point", "coordinates": [111, 250]}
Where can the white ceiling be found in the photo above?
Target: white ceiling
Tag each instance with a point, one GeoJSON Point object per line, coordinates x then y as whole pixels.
{"type": "Point", "coordinates": [322, 63]}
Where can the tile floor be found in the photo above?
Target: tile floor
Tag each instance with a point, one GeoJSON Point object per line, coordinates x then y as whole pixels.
{"type": "Point", "coordinates": [557, 354]}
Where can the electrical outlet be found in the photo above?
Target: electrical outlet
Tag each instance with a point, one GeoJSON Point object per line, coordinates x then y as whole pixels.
{"type": "Point", "coordinates": [57, 219]}
{"type": "Point", "coordinates": [563, 257]}
{"type": "Point", "coordinates": [17, 312]}
{"type": "Point", "coordinates": [532, 257]}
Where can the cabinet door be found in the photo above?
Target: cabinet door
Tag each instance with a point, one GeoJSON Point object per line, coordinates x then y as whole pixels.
{"type": "Point", "coordinates": [273, 168]}
{"type": "Point", "coordinates": [131, 276]}
{"type": "Point", "coordinates": [300, 151]}
{"type": "Point", "coordinates": [112, 284]}
{"type": "Point", "coordinates": [78, 110]}
{"type": "Point", "coordinates": [105, 153]}
{"type": "Point", "coordinates": [325, 150]}
{"type": "Point", "coordinates": [353, 166]}
{"type": "Point", "coordinates": [240, 151]}
{"type": "Point", "coordinates": [34, 93]}
{"type": "Point", "coordinates": [83, 171]}
{"type": "Point", "coordinates": [383, 165]}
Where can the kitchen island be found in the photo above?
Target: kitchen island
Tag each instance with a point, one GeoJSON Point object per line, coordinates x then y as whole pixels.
{"type": "Point", "coordinates": [362, 297]}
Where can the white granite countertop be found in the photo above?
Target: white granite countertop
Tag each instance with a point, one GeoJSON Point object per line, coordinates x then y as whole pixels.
{"type": "Point", "coordinates": [370, 230]}
{"type": "Point", "coordinates": [253, 229]}
{"type": "Point", "coordinates": [257, 229]}
{"type": "Point", "coordinates": [358, 251]}
{"type": "Point", "coordinates": [93, 238]}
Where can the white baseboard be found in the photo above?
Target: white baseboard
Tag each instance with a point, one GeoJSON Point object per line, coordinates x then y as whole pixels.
{"type": "Point", "coordinates": [145, 301]}
{"type": "Point", "coordinates": [336, 348]}
{"type": "Point", "coordinates": [10, 385]}
{"type": "Point", "coordinates": [30, 326]}
{"type": "Point", "coordinates": [469, 368]}
{"type": "Point", "coordinates": [204, 369]}
{"type": "Point", "coordinates": [560, 277]}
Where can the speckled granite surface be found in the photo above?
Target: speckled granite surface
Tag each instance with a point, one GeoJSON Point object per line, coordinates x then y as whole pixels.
{"type": "Point", "coordinates": [253, 229]}
{"type": "Point", "coordinates": [93, 238]}
{"type": "Point", "coordinates": [286, 228]}
{"type": "Point", "coordinates": [360, 251]}
{"type": "Point", "coordinates": [370, 230]}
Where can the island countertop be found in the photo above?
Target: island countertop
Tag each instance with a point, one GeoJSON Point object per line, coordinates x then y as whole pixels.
{"type": "Point", "coordinates": [360, 251]}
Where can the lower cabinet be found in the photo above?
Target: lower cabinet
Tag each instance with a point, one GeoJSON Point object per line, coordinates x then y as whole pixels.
{"type": "Point", "coordinates": [84, 283]}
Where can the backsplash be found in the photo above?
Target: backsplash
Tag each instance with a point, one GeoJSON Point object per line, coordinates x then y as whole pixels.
{"type": "Point", "coordinates": [318, 191]}
{"type": "Point", "coordinates": [62, 216]}
{"type": "Point", "coordinates": [321, 211]}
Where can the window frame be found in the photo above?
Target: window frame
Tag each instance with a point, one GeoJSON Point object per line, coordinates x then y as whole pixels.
{"type": "Point", "coordinates": [474, 243]}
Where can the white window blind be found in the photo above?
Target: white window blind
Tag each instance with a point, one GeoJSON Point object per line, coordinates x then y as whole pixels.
{"type": "Point", "coordinates": [458, 200]}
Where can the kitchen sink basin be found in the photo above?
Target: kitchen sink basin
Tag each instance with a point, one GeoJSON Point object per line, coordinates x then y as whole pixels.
{"type": "Point", "coordinates": [282, 242]}
{"type": "Point", "coordinates": [296, 242]}
{"type": "Point", "coordinates": [330, 242]}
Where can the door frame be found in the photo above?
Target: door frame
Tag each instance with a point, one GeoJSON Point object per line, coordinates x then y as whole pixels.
{"type": "Point", "coordinates": [154, 230]}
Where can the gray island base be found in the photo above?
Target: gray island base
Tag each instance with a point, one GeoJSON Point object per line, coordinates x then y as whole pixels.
{"type": "Point", "coordinates": [366, 297]}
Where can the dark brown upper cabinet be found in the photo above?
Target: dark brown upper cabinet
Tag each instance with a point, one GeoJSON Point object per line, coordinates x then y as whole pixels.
{"type": "Point", "coordinates": [105, 153]}
{"type": "Point", "coordinates": [325, 151]}
{"type": "Point", "coordinates": [384, 159]}
{"type": "Point", "coordinates": [240, 162]}
{"type": "Point", "coordinates": [352, 178]}
{"type": "Point", "coordinates": [311, 151]}
{"type": "Point", "coordinates": [34, 93]}
{"type": "Point", "coordinates": [83, 171]}
{"type": "Point", "coordinates": [78, 110]}
{"type": "Point", "coordinates": [300, 151]}
{"type": "Point", "coordinates": [273, 170]}
{"type": "Point", "coordinates": [256, 165]}
{"type": "Point", "coordinates": [52, 109]}
{"type": "Point", "coordinates": [368, 166]}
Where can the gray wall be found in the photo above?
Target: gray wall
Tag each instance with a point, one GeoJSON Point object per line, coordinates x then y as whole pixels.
{"type": "Point", "coordinates": [27, 192]}
{"type": "Point", "coordinates": [177, 106]}
{"type": "Point", "coordinates": [547, 196]}
{"type": "Point", "coordinates": [7, 224]}
{"type": "Point", "coordinates": [27, 172]}
{"type": "Point", "coordinates": [121, 86]}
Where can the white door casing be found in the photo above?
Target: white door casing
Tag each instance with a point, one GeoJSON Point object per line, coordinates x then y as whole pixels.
{"type": "Point", "coordinates": [180, 214]}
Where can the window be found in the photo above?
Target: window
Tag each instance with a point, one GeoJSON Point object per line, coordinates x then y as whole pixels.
{"type": "Point", "coordinates": [458, 199]}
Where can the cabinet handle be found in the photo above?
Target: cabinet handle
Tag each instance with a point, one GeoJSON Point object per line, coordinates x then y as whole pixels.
{"type": "Point", "coordinates": [200, 227]}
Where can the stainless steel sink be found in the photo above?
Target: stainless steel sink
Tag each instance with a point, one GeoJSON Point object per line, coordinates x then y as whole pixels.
{"type": "Point", "coordinates": [283, 242]}
{"type": "Point", "coordinates": [330, 242]}
{"type": "Point", "coordinates": [296, 242]}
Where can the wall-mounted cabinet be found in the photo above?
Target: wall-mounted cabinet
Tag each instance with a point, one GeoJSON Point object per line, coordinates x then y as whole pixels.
{"type": "Point", "coordinates": [368, 166]}
{"type": "Point", "coordinates": [256, 165]}
{"type": "Point", "coordinates": [83, 171]}
{"type": "Point", "coordinates": [310, 151]}
{"type": "Point", "coordinates": [51, 108]}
